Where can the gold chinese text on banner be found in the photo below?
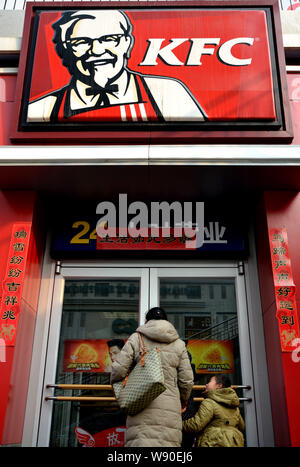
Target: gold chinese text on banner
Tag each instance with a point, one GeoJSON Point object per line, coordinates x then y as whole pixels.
{"type": "Point", "coordinates": [12, 284]}
{"type": "Point", "coordinates": [285, 290]}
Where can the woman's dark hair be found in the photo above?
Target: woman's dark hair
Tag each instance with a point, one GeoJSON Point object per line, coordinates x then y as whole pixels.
{"type": "Point", "coordinates": [156, 313]}
{"type": "Point", "coordinates": [116, 342]}
{"type": "Point", "coordinates": [224, 380]}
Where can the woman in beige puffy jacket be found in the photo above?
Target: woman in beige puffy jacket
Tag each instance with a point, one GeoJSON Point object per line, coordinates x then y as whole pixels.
{"type": "Point", "coordinates": [159, 424]}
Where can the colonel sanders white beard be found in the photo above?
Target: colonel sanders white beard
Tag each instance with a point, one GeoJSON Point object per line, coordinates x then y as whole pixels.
{"type": "Point", "coordinates": [100, 70]}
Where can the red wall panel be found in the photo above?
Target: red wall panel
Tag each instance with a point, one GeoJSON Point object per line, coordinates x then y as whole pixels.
{"type": "Point", "coordinates": [14, 371]}
{"type": "Point", "coordinates": [280, 210]}
{"type": "Point", "coordinates": [271, 333]}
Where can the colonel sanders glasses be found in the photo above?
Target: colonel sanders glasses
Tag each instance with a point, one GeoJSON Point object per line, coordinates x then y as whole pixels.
{"type": "Point", "coordinates": [81, 45]}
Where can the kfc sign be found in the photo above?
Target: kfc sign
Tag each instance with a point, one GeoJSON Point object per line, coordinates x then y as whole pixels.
{"type": "Point", "coordinates": [197, 49]}
{"type": "Point", "coordinates": [126, 68]}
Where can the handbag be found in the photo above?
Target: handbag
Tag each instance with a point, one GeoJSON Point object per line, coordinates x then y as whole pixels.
{"type": "Point", "coordinates": [143, 383]}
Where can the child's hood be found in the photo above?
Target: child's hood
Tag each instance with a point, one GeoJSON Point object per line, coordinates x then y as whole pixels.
{"type": "Point", "coordinates": [224, 396]}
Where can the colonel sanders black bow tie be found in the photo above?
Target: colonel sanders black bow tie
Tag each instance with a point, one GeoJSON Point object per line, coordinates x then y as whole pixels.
{"type": "Point", "coordinates": [93, 91]}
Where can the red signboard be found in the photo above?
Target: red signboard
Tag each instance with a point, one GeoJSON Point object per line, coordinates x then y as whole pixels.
{"type": "Point", "coordinates": [216, 62]}
{"type": "Point", "coordinates": [12, 284]}
{"type": "Point", "coordinates": [284, 289]}
{"type": "Point", "coordinates": [189, 67]}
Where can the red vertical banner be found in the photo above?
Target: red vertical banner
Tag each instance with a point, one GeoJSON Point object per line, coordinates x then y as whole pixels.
{"type": "Point", "coordinates": [12, 284]}
{"type": "Point", "coordinates": [285, 290]}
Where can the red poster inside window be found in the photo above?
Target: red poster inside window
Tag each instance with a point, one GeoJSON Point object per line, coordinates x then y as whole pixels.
{"type": "Point", "coordinates": [111, 437]}
{"type": "Point", "coordinates": [212, 356]}
{"type": "Point", "coordinates": [90, 355]}
{"type": "Point", "coordinates": [143, 65]}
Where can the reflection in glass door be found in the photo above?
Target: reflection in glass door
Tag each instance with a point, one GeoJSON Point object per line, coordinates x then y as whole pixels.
{"type": "Point", "coordinates": [204, 313]}
{"type": "Point", "coordinates": [97, 314]}
{"type": "Point", "coordinates": [96, 309]}
{"type": "Point", "coordinates": [208, 309]}
{"type": "Point", "coordinates": [97, 318]}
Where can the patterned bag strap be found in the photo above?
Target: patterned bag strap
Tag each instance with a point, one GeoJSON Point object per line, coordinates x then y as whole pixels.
{"type": "Point", "coordinates": [143, 349]}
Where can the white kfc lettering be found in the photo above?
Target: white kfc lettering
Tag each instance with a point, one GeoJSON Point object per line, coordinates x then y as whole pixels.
{"type": "Point", "coordinates": [196, 50]}
{"type": "Point", "coordinates": [225, 54]}
{"type": "Point", "coordinates": [165, 53]}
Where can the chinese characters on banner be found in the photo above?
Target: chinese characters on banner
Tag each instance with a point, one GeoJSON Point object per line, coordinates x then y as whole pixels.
{"type": "Point", "coordinates": [285, 290]}
{"type": "Point", "coordinates": [12, 284]}
{"type": "Point", "coordinates": [214, 234]}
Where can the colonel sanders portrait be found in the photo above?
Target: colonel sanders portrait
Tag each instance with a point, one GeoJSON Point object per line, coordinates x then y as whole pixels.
{"type": "Point", "coordinates": [95, 47]}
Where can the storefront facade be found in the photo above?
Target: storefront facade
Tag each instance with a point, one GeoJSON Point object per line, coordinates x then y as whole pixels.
{"type": "Point", "coordinates": [67, 291]}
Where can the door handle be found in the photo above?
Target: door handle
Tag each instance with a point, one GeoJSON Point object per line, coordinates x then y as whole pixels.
{"type": "Point", "coordinates": [112, 399]}
{"type": "Point", "coordinates": [109, 386]}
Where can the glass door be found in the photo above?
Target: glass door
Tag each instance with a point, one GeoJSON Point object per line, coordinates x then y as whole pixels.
{"type": "Point", "coordinates": [207, 306]}
{"type": "Point", "coordinates": [94, 312]}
